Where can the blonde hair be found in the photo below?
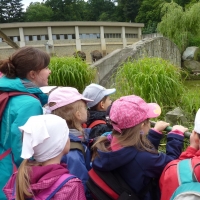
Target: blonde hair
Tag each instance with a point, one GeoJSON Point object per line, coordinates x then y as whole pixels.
{"type": "Point", "coordinates": [23, 179]}
{"type": "Point", "coordinates": [129, 137]}
{"type": "Point", "coordinates": [68, 112]}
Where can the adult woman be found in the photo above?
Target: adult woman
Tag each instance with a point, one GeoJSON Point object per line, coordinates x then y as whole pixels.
{"type": "Point", "coordinates": [25, 71]}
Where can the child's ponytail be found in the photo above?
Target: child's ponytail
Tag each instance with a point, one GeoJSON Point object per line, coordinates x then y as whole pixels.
{"type": "Point", "coordinates": [103, 144]}
{"type": "Point", "coordinates": [22, 181]}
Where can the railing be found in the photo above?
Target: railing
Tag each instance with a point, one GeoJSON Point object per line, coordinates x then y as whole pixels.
{"type": "Point", "coordinates": [152, 35]}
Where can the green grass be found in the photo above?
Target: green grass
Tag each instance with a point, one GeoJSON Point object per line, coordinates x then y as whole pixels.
{"type": "Point", "coordinates": [154, 79]}
{"type": "Point", "coordinates": [70, 71]}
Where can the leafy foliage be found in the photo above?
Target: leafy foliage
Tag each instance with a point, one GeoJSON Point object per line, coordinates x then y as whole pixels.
{"type": "Point", "coordinates": [178, 24]}
{"type": "Point", "coordinates": [149, 14]}
{"type": "Point", "coordinates": [38, 12]}
{"type": "Point", "coordinates": [11, 11]}
{"type": "Point", "coordinates": [70, 71]}
{"type": "Point", "coordinates": [154, 79]}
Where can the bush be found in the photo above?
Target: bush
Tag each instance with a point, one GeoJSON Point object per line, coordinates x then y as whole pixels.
{"type": "Point", "coordinates": [194, 40]}
{"type": "Point", "coordinates": [154, 79]}
{"type": "Point", "coordinates": [70, 71]}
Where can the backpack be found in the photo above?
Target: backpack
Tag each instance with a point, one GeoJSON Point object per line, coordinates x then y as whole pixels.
{"type": "Point", "coordinates": [94, 123]}
{"type": "Point", "coordinates": [109, 185]}
{"type": "Point", "coordinates": [48, 193]}
{"type": "Point", "coordinates": [4, 97]}
{"type": "Point", "coordinates": [189, 187]}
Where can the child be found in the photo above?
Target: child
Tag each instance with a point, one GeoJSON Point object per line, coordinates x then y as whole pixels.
{"type": "Point", "coordinates": [169, 180]}
{"type": "Point", "coordinates": [131, 152]}
{"type": "Point", "coordinates": [46, 139]}
{"type": "Point", "coordinates": [98, 108]}
{"type": "Point", "coordinates": [69, 104]}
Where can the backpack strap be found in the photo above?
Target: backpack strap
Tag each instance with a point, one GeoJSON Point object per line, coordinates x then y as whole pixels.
{"type": "Point", "coordinates": [111, 183]}
{"type": "Point", "coordinates": [184, 171]}
{"type": "Point", "coordinates": [3, 155]}
{"type": "Point", "coordinates": [98, 181]}
{"type": "Point", "coordinates": [4, 97]}
{"type": "Point", "coordinates": [48, 193]}
{"type": "Point", "coordinates": [77, 145]}
{"type": "Point", "coordinates": [96, 122]}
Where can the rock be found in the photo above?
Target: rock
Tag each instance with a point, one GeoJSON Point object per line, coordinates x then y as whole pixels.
{"type": "Point", "coordinates": [176, 116]}
{"type": "Point", "coordinates": [190, 53]}
{"type": "Point", "coordinates": [192, 66]}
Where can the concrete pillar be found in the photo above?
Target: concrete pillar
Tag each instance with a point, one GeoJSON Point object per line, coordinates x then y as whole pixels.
{"type": "Point", "coordinates": [103, 42]}
{"type": "Point", "coordinates": [139, 33]}
{"type": "Point", "coordinates": [124, 37]}
{"type": "Point", "coordinates": [49, 45]}
{"type": "Point", "coordinates": [21, 35]}
{"type": "Point", "coordinates": [78, 41]}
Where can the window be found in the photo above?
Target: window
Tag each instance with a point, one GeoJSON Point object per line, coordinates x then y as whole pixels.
{"type": "Point", "coordinates": [1, 40]}
{"type": "Point", "coordinates": [69, 37]}
{"type": "Point", "coordinates": [34, 37]}
{"type": "Point", "coordinates": [128, 35]}
{"type": "Point", "coordinates": [62, 37]}
{"type": "Point", "coordinates": [42, 37]}
{"type": "Point", "coordinates": [15, 39]}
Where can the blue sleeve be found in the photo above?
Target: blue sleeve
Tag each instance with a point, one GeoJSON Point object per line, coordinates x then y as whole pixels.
{"type": "Point", "coordinates": [29, 109]}
{"type": "Point", "coordinates": [154, 164]}
{"type": "Point", "coordinates": [76, 164]}
{"type": "Point", "coordinates": [154, 138]}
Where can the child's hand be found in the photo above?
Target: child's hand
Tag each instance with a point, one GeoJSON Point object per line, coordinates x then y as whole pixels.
{"type": "Point", "coordinates": [194, 140]}
{"type": "Point", "coordinates": [160, 126]}
{"type": "Point", "coordinates": [179, 128]}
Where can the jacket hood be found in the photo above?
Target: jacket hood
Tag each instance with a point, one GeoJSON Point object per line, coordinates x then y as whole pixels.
{"type": "Point", "coordinates": [22, 85]}
{"type": "Point", "coordinates": [41, 173]}
{"type": "Point", "coordinates": [96, 115]}
{"type": "Point", "coordinates": [41, 177]}
{"type": "Point", "coordinates": [106, 161]}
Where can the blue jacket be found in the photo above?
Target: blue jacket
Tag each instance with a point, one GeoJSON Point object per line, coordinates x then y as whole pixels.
{"type": "Point", "coordinates": [138, 168]}
{"type": "Point", "coordinates": [77, 164]}
{"type": "Point", "coordinates": [16, 113]}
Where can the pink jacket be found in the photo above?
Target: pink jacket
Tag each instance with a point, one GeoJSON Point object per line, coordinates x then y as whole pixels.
{"type": "Point", "coordinates": [43, 177]}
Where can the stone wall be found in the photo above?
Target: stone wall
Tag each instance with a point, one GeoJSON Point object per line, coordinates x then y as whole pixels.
{"type": "Point", "coordinates": [149, 47]}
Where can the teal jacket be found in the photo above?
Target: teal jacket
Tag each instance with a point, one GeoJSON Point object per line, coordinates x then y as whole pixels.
{"type": "Point", "coordinates": [16, 113]}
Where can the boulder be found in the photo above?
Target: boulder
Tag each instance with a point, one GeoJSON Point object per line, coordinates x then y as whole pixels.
{"type": "Point", "coordinates": [190, 53]}
{"type": "Point", "coordinates": [192, 65]}
{"type": "Point", "coordinates": [176, 116]}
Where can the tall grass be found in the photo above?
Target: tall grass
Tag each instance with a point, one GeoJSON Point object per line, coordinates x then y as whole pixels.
{"type": "Point", "coordinates": [70, 71]}
{"type": "Point", "coordinates": [154, 79]}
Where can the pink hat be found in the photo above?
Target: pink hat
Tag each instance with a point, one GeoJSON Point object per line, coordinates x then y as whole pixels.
{"type": "Point", "coordinates": [63, 96]}
{"type": "Point", "coordinates": [129, 111]}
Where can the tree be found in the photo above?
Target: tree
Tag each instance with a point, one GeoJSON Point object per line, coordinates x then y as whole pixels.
{"type": "Point", "coordinates": [13, 11]}
{"type": "Point", "coordinates": [67, 10]}
{"type": "Point", "coordinates": [100, 10]}
{"type": "Point", "coordinates": [149, 14]}
{"type": "Point", "coordinates": [178, 24]}
{"type": "Point", "coordinates": [38, 12]}
{"type": "Point", "coordinates": [3, 5]}
{"type": "Point", "coordinates": [128, 9]}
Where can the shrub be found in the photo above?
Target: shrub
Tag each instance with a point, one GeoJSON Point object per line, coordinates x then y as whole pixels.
{"type": "Point", "coordinates": [194, 40]}
{"type": "Point", "coordinates": [154, 79]}
{"type": "Point", "coordinates": [70, 71]}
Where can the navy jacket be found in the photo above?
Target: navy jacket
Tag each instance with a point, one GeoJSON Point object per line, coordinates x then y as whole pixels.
{"type": "Point", "coordinates": [138, 168]}
{"type": "Point", "coordinates": [77, 164]}
{"type": "Point", "coordinates": [98, 130]}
